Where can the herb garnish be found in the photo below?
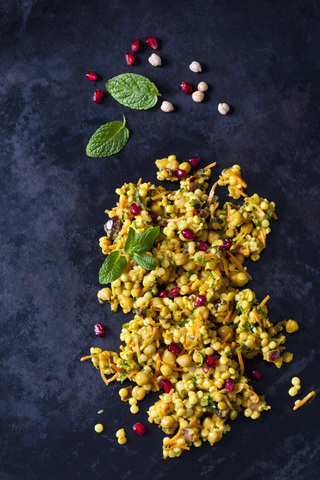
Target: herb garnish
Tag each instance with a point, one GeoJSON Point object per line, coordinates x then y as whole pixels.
{"type": "Point", "coordinates": [108, 139]}
{"type": "Point", "coordinates": [134, 91]}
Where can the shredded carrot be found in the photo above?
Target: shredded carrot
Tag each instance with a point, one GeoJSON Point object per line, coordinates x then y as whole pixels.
{"type": "Point", "coordinates": [274, 216]}
{"type": "Point", "coordinates": [183, 447]}
{"type": "Point", "coordinates": [160, 195]}
{"type": "Point", "coordinates": [117, 369]}
{"type": "Point", "coordinates": [158, 365]}
{"type": "Point", "coordinates": [173, 367]}
{"type": "Point", "coordinates": [139, 182]}
{"type": "Point", "coordinates": [122, 348]}
{"type": "Point", "coordinates": [239, 191]}
{"type": "Point", "coordinates": [240, 362]}
{"type": "Point", "coordinates": [123, 202]}
{"type": "Point", "coordinates": [225, 266]}
{"type": "Point", "coordinates": [256, 396]}
{"type": "Point", "coordinates": [257, 316]}
{"type": "Point", "coordinates": [240, 180]}
{"type": "Point", "coordinates": [304, 400]}
{"type": "Point", "coordinates": [265, 300]}
{"type": "Point", "coordinates": [210, 166]}
{"type": "Point", "coordinates": [211, 194]}
{"type": "Point", "coordinates": [233, 316]}
{"type": "Point", "coordinates": [238, 264]}
{"type": "Point", "coordinates": [131, 374]}
{"type": "Point", "coordinates": [115, 376]}
{"type": "Point", "coordinates": [174, 438]}
{"type": "Point", "coordinates": [175, 219]}
{"type": "Point", "coordinates": [88, 356]}
{"type": "Point", "coordinates": [104, 378]}
{"type": "Point", "coordinates": [226, 338]}
{"type": "Point", "coordinates": [218, 271]}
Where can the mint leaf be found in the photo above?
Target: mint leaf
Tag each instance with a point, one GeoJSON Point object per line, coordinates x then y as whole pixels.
{"type": "Point", "coordinates": [112, 267]}
{"type": "Point", "coordinates": [130, 240]}
{"type": "Point", "coordinates": [108, 139]}
{"type": "Point", "coordinates": [144, 241]}
{"type": "Point", "coordinates": [133, 91]}
{"type": "Point", "coordinates": [145, 261]}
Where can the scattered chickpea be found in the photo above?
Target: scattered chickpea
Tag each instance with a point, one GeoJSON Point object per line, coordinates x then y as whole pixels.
{"type": "Point", "coordinates": [292, 326]}
{"type": "Point", "coordinates": [155, 60]}
{"type": "Point", "coordinates": [195, 67]}
{"type": "Point", "coordinates": [202, 87]}
{"type": "Point", "coordinates": [197, 96]}
{"type": "Point", "coordinates": [167, 106]}
{"type": "Point", "coordinates": [98, 428]}
{"type": "Point", "coordinates": [287, 357]}
{"type": "Point", "coordinates": [295, 381]}
{"type": "Point", "coordinates": [293, 391]}
{"type": "Point", "coordinates": [223, 108]}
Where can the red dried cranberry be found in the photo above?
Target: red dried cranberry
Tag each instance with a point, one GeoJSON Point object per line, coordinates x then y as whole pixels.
{"type": "Point", "coordinates": [200, 301]}
{"type": "Point", "coordinates": [227, 244]}
{"type": "Point", "coordinates": [130, 58]}
{"type": "Point", "coordinates": [166, 385]}
{"type": "Point", "coordinates": [229, 385]}
{"type": "Point", "coordinates": [99, 330]}
{"type": "Point", "coordinates": [202, 246]}
{"type": "Point", "coordinates": [210, 360]}
{"type": "Point", "coordinates": [139, 429]}
{"type": "Point", "coordinates": [186, 87]}
{"type": "Point", "coordinates": [194, 161]}
{"type": "Point", "coordinates": [203, 214]}
{"type": "Point", "coordinates": [174, 348]}
{"type": "Point", "coordinates": [97, 96]}
{"type": "Point", "coordinates": [179, 173]}
{"type": "Point", "coordinates": [92, 76]}
{"type": "Point", "coordinates": [152, 42]}
{"type": "Point", "coordinates": [154, 217]}
{"type": "Point", "coordinates": [188, 234]}
{"type": "Point", "coordinates": [256, 374]}
{"type": "Point", "coordinates": [174, 292]}
{"type": "Point", "coordinates": [135, 46]}
{"type": "Point", "coordinates": [134, 209]}
{"type": "Point", "coordinates": [164, 294]}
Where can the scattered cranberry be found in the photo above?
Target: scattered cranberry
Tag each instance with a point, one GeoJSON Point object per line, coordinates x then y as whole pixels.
{"type": "Point", "coordinates": [97, 96]}
{"type": "Point", "coordinates": [130, 58]}
{"type": "Point", "coordinates": [256, 374]}
{"type": "Point", "coordinates": [180, 173]}
{"type": "Point", "coordinates": [92, 76]}
{"type": "Point", "coordinates": [135, 46]}
{"type": "Point", "coordinates": [154, 217]}
{"type": "Point", "coordinates": [202, 246]}
{"type": "Point", "coordinates": [152, 42]}
{"type": "Point", "coordinates": [200, 301]}
{"type": "Point", "coordinates": [166, 385]}
{"type": "Point", "coordinates": [186, 87]}
{"type": "Point", "coordinates": [174, 348]}
{"type": "Point", "coordinates": [134, 209]}
{"type": "Point", "coordinates": [174, 292]}
{"type": "Point", "coordinates": [164, 294]}
{"type": "Point", "coordinates": [210, 360]}
{"type": "Point", "coordinates": [139, 429]}
{"type": "Point", "coordinates": [99, 330]}
{"type": "Point", "coordinates": [227, 244]}
{"type": "Point", "coordinates": [229, 385]}
{"type": "Point", "coordinates": [188, 234]}
{"type": "Point", "coordinates": [194, 161]}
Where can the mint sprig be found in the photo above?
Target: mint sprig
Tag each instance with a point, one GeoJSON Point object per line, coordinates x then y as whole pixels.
{"type": "Point", "coordinates": [136, 246]}
{"type": "Point", "coordinates": [133, 91]}
{"type": "Point", "coordinates": [108, 139]}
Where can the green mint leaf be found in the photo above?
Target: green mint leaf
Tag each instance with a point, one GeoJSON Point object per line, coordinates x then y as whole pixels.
{"type": "Point", "coordinates": [144, 241]}
{"type": "Point", "coordinates": [112, 267]}
{"type": "Point", "coordinates": [130, 240]}
{"type": "Point", "coordinates": [108, 139]}
{"type": "Point", "coordinates": [133, 91]}
{"type": "Point", "coordinates": [145, 261]}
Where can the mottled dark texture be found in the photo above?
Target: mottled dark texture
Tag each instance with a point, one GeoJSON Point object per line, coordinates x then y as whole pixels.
{"type": "Point", "coordinates": [262, 57]}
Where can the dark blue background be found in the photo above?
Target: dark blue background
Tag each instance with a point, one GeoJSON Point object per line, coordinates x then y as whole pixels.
{"type": "Point", "coordinates": [261, 57]}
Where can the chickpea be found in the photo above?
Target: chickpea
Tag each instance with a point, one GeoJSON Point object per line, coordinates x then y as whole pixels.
{"type": "Point", "coordinates": [166, 370]}
{"type": "Point", "coordinates": [292, 326]}
{"type": "Point", "coordinates": [167, 421]}
{"type": "Point", "coordinates": [223, 108]}
{"type": "Point", "coordinates": [197, 96]}
{"type": "Point", "coordinates": [180, 258]}
{"type": "Point", "coordinates": [150, 349]}
{"type": "Point", "coordinates": [208, 423]}
{"type": "Point", "coordinates": [142, 378]}
{"type": "Point", "coordinates": [104, 294]}
{"type": "Point", "coordinates": [155, 60]}
{"type": "Point", "coordinates": [224, 331]}
{"type": "Point", "coordinates": [138, 393]}
{"type": "Point", "coordinates": [167, 106]}
{"type": "Point", "coordinates": [214, 437]}
{"type": "Point", "coordinates": [184, 360]}
{"type": "Point", "coordinates": [195, 67]}
{"type": "Point", "coordinates": [203, 87]}
{"type": "Point", "coordinates": [202, 312]}
{"type": "Point", "coordinates": [169, 357]}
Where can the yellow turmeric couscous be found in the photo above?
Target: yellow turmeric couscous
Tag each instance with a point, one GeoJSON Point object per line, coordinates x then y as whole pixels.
{"type": "Point", "coordinates": [194, 325]}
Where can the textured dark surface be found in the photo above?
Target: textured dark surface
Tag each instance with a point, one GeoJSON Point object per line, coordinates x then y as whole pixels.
{"type": "Point", "coordinates": [260, 57]}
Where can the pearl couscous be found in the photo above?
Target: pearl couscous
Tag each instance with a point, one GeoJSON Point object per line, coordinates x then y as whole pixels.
{"type": "Point", "coordinates": [194, 324]}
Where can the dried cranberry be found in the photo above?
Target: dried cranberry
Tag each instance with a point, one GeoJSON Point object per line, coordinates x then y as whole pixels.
{"type": "Point", "coordinates": [174, 292]}
{"type": "Point", "coordinates": [203, 213]}
{"type": "Point", "coordinates": [194, 161]}
{"type": "Point", "coordinates": [164, 294]}
{"type": "Point", "coordinates": [130, 58]}
{"type": "Point", "coordinates": [188, 234]}
{"type": "Point", "coordinates": [186, 87]}
{"type": "Point", "coordinates": [112, 226]}
{"type": "Point", "coordinates": [202, 246]}
{"type": "Point", "coordinates": [256, 374]}
{"type": "Point", "coordinates": [92, 76]}
{"type": "Point", "coordinates": [166, 385]}
{"type": "Point", "coordinates": [227, 244]}
{"type": "Point", "coordinates": [179, 173]}
{"type": "Point", "coordinates": [97, 96]}
{"type": "Point", "coordinates": [140, 312]}
{"type": "Point", "coordinates": [152, 42]}
{"type": "Point", "coordinates": [200, 301]}
{"type": "Point", "coordinates": [135, 46]}
{"type": "Point", "coordinates": [139, 429]}
{"type": "Point", "coordinates": [174, 348]}
{"type": "Point", "coordinates": [273, 355]}
{"type": "Point", "coordinates": [210, 361]}
{"type": "Point", "coordinates": [134, 209]}
{"type": "Point", "coordinates": [154, 217]}
{"type": "Point", "coordinates": [229, 385]}
{"type": "Point", "coordinates": [99, 330]}
{"type": "Point", "coordinates": [194, 186]}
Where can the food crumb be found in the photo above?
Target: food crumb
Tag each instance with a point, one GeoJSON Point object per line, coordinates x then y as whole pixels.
{"type": "Point", "coordinates": [100, 411]}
